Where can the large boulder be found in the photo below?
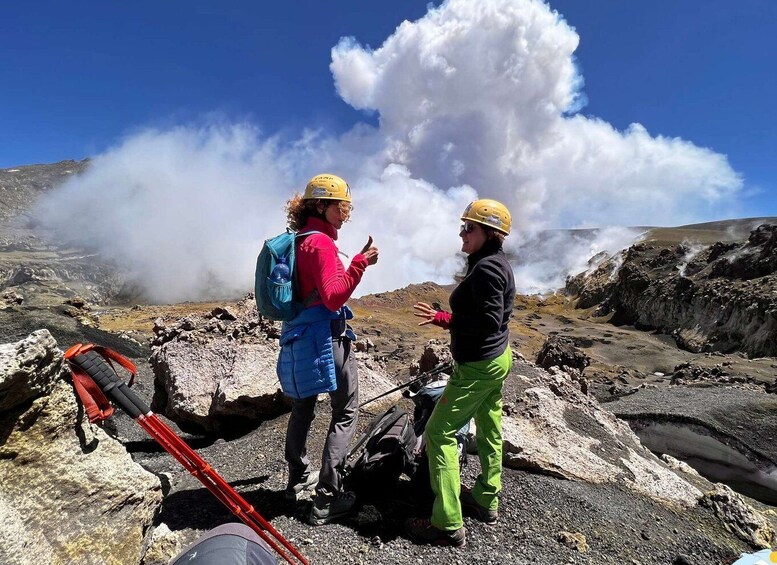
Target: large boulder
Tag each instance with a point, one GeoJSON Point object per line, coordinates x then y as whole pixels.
{"type": "Point", "coordinates": [561, 352]}
{"type": "Point", "coordinates": [554, 428]}
{"type": "Point", "coordinates": [216, 372]}
{"type": "Point", "coordinates": [71, 493]}
{"type": "Point", "coordinates": [436, 352]}
{"type": "Point", "coordinates": [28, 368]}
{"type": "Point", "coordinates": [214, 386]}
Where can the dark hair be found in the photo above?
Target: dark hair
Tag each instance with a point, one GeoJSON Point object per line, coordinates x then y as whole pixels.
{"type": "Point", "coordinates": [492, 234]}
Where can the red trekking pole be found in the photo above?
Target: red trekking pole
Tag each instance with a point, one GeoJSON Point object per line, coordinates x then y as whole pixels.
{"type": "Point", "coordinates": [95, 381]}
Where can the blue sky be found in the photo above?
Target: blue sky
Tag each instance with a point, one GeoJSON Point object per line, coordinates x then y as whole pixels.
{"type": "Point", "coordinates": [79, 76]}
{"type": "Point", "coordinates": [702, 70]}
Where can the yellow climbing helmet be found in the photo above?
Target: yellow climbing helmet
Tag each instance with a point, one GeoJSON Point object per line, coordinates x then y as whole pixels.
{"type": "Point", "coordinates": [489, 213]}
{"type": "Point", "coordinates": [327, 187]}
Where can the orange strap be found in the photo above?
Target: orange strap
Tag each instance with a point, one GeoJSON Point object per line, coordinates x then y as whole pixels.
{"type": "Point", "coordinates": [96, 405]}
{"type": "Point", "coordinates": [98, 408]}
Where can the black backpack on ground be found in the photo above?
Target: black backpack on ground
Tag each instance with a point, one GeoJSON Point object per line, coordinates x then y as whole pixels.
{"type": "Point", "coordinates": [389, 445]}
{"type": "Point", "coordinates": [394, 444]}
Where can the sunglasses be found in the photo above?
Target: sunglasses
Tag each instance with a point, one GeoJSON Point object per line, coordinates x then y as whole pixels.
{"type": "Point", "coordinates": [467, 228]}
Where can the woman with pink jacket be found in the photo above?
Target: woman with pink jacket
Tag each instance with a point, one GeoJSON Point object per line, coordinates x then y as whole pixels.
{"type": "Point", "coordinates": [324, 284]}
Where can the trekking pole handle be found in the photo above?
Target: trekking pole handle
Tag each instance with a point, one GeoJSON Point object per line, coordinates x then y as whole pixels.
{"type": "Point", "coordinates": [93, 364]}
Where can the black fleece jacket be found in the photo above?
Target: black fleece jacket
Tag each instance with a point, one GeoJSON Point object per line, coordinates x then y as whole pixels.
{"type": "Point", "coordinates": [481, 306]}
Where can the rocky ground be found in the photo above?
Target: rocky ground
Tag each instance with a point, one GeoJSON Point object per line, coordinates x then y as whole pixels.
{"type": "Point", "coordinates": [710, 402]}
{"type": "Point", "coordinates": [544, 519]}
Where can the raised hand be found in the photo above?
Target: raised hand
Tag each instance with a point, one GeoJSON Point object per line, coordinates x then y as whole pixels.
{"type": "Point", "coordinates": [423, 310]}
{"type": "Point", "coordinates": [370, 252]}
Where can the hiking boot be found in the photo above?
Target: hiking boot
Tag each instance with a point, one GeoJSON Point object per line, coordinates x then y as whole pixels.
{"type": "Point", "coordinates": [306, 482]}
{"type": "Point", "coordinates": [421, 530]}
{"type": "Point", "coordinates": [470, 507]}
{"type": "Point", "coordinates": [328, 508]}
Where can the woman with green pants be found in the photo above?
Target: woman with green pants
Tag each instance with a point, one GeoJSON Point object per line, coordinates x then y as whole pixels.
{"type": "Point", "coordinates": [481, 306]}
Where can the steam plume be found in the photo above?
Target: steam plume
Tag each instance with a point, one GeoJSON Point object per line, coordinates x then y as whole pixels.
{"type": "Point", "coordinates": [475, 99]}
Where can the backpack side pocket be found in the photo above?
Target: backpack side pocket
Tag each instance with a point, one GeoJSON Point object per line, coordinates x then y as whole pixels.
{"type": "Point", "coordinates": [281, 295]}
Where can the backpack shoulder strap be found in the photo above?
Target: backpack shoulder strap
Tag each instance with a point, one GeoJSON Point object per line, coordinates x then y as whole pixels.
{"type": "Point", "coordinates": [311, 232]}
{"type": "Point", "coordinates": [314, 295]}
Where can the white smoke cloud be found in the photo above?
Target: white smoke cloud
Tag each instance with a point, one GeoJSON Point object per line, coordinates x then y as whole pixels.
{"type": "Point", "coordinates": [694, 249]}
{"type": "Point", "coordinates": [415, 226]}
{"type": "Point", "coordinates": [480, 93]}
{"type": "Point", "coordinates": [545, 259]}
{"type": "Point", "coordinates": [180, 211]}
{"type": "Point", "coordinates": [474, 99]}
{"type": "Point", "coordinates": [184, 212]}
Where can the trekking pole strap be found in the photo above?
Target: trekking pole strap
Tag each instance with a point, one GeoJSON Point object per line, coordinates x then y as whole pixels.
{"type": "Point", "coordinates": [96, 405]}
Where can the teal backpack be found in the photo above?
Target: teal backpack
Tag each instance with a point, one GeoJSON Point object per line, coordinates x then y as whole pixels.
{"type": "Point", "coordinates": [274, 280]}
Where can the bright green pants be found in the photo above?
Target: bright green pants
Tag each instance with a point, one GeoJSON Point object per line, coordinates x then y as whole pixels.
{"type": "Point", "coordinates": [474, 390]}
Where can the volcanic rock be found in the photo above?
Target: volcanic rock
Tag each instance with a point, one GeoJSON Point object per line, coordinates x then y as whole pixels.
{"type": "Point", "coordinates": [364, 345]}
{"type": "Point", "coordinates": [436, 352]}
{"type": "Point", "coordinates": [71, 493]}
{"type": "Point", "coordinates": [10, 298]}
{"type": "Point", "coordinates": [218, 372]}
{"type": "Point", "coordinates": [574, 541]}
{"type": "Point", "coordinates": [28, 369]}
{"type": "Point", "coordinates": [211, 386]}
{"type": "Point", "coordinates": [561, 352]}
{"type": "Point", "coordinates": [555, 429]}
{"type": "Point", "coordinates": [739, 517]}
{"type": "Point", "coordinates": [79, 303]}
{"type": "Point", "coordinates": [163, 547]}
{"type": "Point", "coordinates": [690, 374]}
{"type": "Point", "coordinates": [715, 298]}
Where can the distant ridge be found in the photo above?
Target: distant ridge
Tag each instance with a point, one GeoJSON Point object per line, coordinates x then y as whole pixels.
{"type": "Point", "coordinates": [724, 224]}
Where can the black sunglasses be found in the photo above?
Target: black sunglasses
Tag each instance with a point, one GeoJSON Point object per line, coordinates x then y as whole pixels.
{"type": "Point", "coordinates": [467, 228]}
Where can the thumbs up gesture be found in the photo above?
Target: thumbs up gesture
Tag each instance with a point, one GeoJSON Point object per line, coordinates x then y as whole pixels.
{"type": "Point", "coordinates": [370, 252]}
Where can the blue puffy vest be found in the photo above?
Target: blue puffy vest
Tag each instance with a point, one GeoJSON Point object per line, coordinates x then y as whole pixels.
{"type": "Point", "coordinates": [306, 365]}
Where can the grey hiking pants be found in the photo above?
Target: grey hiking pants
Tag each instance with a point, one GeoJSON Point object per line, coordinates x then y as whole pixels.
{"type": "Point", "coordinates": [344, 402]}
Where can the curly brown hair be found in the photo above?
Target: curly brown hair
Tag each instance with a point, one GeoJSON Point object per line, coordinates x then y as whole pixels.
{"type": "Point", "coordinates": [299, 210]}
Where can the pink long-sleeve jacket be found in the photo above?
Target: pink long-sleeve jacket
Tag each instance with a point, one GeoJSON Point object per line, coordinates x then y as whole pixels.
{"type": "Point", "coordinates": [319, 267]}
